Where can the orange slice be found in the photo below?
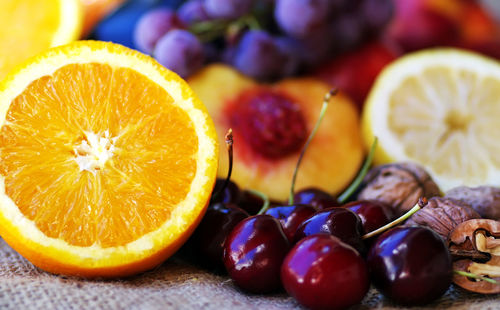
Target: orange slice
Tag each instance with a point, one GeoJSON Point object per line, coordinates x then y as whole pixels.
{"type": "Point", "coordinates": [107, 160]}
{"type": "Point", "coordinates": [29, 27]}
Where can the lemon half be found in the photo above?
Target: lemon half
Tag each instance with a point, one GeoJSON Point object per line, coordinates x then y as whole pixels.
{"type": "Point", "coordinates": [439, 108]}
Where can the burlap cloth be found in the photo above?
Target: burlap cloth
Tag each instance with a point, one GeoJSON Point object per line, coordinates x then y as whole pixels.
{"type": "Point", "coordinates": [174, 285]}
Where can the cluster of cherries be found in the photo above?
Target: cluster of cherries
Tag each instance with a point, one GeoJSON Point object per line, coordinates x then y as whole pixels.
{"type": "Point", "coordinates": [319, 249]}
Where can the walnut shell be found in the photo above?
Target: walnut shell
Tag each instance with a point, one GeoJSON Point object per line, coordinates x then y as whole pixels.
{"type": "Point", "coordinates": [399, 185]}
{"type": "Point", "coordinates": [484, 199]}
{"type": "Point", "coordinates": [442, 215]}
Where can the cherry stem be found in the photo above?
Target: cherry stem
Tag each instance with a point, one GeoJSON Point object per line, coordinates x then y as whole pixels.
{"type": "Point", "coordinates": [229, 147]}
{"type": "Point", "coordinates": [361, 175]}
{"type": "Point", "coordinates": [476, 276]}
{"type": "Point", "coordinates": [422, 202]}
{"type": "Point", "coordinates": [326, 101]}
{"type": "Point", "coordinates": [264, 197]}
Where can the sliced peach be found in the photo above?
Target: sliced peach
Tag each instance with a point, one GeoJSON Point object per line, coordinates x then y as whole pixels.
{"type": "Point", "coordinates": [270, 125]}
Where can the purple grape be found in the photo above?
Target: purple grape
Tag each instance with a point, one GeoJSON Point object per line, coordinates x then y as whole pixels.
{"type": "Point", "coordinates": [258, 55]}
{"type": "Point", "coordinates": [347, 31]}
{"type": "Point", "coordinates": [300, 18]}
{"type": "Point", "coordinates": [180, 51]}
{"type": "Point", "coordinates": [228, 54]}
{"type": "Point", "coordinates": [291, 55]}
{"type": "Point", "coordinates": [152, 26]}
{"type": "Point", "coordinates": [351, 6]}
{"type": "Point", "coordinates": [377, 14]}
{"type": "Point", "coordinates": [212, 52]}
{"type": "Point", "coordinates": [317, 47]}
{"type": "Point", "coordinates": [338, 6]}
{"type": "Point", "coordinates": [228, 9]}
{"type": "Point", "coordinates": [192, 11]}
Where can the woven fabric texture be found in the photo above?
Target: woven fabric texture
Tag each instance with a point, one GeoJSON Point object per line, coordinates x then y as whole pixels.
{"type": "Point", "coordinates": [173, 285]}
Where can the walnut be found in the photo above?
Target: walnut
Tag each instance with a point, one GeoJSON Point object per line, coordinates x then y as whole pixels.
{"type": "Point", "coordinates": [399, 185]}
{"type": "Point", "coordinates": [476, 245]}
{"type": "Point", "coordinates": [484, 199]}
{"type": "Point", "coordinates": [442, 215]}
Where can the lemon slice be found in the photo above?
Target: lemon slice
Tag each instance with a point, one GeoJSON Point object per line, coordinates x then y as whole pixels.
{"type": "Point", "coordinates": [29, 27]}
{"type": "Point", "coordinates": [439, 108]}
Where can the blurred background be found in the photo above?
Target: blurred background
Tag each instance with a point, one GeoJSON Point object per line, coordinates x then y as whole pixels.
{"type": "Point", "coordinates": [343, 42]}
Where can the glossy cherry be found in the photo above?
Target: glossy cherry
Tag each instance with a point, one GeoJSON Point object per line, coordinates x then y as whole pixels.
{"type": "Point", "coordinates": [291, 217]}
{"type": "Point", "coordinates": [339, 222]}
{"type": "Point", "coordinates": [316, 198]}
{"type": "Point", "coordinates": [322, 272]}
{"type": "Point", "coordinates": [210, 235]}
{"type": "Point", "coordinates": [373, 214]}
{"type": "Point", "coordinates": [253, 253]}
{"type": "Point", "coordinates": [410, 265]}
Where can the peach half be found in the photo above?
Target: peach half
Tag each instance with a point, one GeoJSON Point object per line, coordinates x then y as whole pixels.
{"type": "Point", "coordinates": [271, 123]}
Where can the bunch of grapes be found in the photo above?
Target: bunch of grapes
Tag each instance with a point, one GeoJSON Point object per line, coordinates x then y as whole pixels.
{"type": "Point", "coordinates": [264, 39]}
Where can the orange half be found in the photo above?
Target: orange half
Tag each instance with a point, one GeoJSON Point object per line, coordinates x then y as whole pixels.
{"type": "Point", "coordinates": [107, 160]}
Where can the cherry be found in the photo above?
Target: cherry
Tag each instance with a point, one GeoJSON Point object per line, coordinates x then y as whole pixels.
{"type": "Point", "coordinates": [291, 217]}
{"type": "Point", "coordinates": [410, 265]}
{"type": "Point", "coordinates": [210, 235]}
{"type": "Point", "coordinates": [373, 214]}
{"type": "Point", "coordinates": [322, 272]}
{"type": "Point", "coordinates": [316, 198]}
{"type": "Point", "coordinates": [252, 203]}
{"type": "Point", "coordinates": [230, 193]}
{"type": "Point", "coordinates": [253, 253]}
{"type": "Point", "coordinates": [339, 222]}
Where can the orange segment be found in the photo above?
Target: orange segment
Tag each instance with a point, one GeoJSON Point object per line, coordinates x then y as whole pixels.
{"type": "Point", "coordinates": [96, 155]}
{"type": "Point", "coordinates": [32, 26]}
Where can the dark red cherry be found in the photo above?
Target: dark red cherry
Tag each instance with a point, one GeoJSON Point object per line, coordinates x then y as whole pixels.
{"type": "Point", "coordinates": [316, 198]}
{"type": "Point", "coordinates": [253, 203]}
{"type": "Point", "coordinates": [322, 272]}
{"type": "Point", "coordinates": [210, 235]}
{"type": "Point", "coordinates": [291, 217]}
{"type": "Point", "coordinates": [373, 214]}
{"type": "Point", "coordinates": [253, 253]}
{"type": "Point", "coordinates": [339, 222]}
{"type": "Point", "coordinates": [231, 193]}
{"type": "Point", "coordinates": [410, 265]}
{"type": "Point", "coordinates": [250, 202]}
